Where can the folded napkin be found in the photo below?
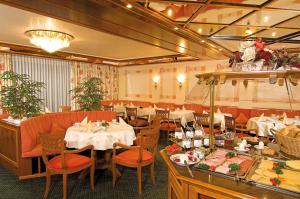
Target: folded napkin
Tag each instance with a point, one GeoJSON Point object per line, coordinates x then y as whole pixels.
{"type": "Point", "coordinates": [122, 104]}
{"type": "Point", "coordinates": [155, 106]}
{"type": "Point", "coordinates": [47, 110]}
{"type": "Point", "coordinates": [284, 114]}
{"type": "Point", "coordinates": [219, 111]}
{"type": "Point", "coordinates": [84, 121]}
{"type": "Point", "coordinates": [261, 117]}
{"type": "Point", "coordinates": [121, 121]}
{"type": "Point", "coordinates": [89, 127]}
{"type": "Point", "coordinates": [111, 104]}
{"type": "Point", "coordinates": [284, 121]}
{"type": "Point", "coordinates": [183, 108]}
{"type": "Point", "coordinates": [131, 104]}
{"type": "Point", "coordinates": [204, 112]}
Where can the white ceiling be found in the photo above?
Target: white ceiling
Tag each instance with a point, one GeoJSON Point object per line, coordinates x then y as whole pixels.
{"type": "Point", "coordinates": [14, 22]}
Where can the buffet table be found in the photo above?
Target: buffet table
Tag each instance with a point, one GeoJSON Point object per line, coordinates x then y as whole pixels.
{"type": "Point", "coordinates": [204, 185]}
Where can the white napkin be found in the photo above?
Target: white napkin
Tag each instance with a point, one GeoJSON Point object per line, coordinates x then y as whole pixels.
{"type": "Point", "coordinates": [284, 114]}
{"type": "Point", "coordinates": [261, 117]}
{"type": "Point", "coordinates": [118, 105]}
{"type": "Point", "coordinates": [177, 109]}
{"type": "Point", "coordinates": [155, 106]}
{"type": "Point", "coordinates": [111, 104]}
{"type": "Point", "coordinates": [122, 104]}
{"type": "Point", "coordinates": [84, 121]}
{"type": "Point", "coordinates": [89, 127]}
{"type": "Point", "coordinates": [47, 110]}
{"type": "Point", "coordinates": [183, 108]}
{"type": "Point", "coordinates": [121, 121]}
{"type": "Point", "coordinates": [204, 112]}
{"type": "Point", "coordinates": [131, 104]}
{"type": "Point", "coordinates": [219, 111]}
{"type": "Point", "coordinates": [284, 121]}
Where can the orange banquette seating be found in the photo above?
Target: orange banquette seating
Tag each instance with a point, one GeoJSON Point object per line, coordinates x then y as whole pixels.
{"type": "Point", "coordinates": [32, 128]}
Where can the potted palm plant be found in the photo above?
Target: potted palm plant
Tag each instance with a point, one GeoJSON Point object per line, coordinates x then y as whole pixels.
{"type": "Point", "coordinates": [20, 95]}
{"type": "Point", "coordinates": [88, 94]}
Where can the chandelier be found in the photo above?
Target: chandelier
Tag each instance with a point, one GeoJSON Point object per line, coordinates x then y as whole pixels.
{"type": "Point", "coordinates": [49, 40]}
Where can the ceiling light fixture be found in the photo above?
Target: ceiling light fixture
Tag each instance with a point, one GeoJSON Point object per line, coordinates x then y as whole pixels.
{"type": "Point", "coordinates": [273, 34]}
{"type": "Point", "coordinates": [175, 28]}
{"type": "Point", "coordinates": [49, 40]}
{"type": "Point", "coordinates": [200, 30]}
{"type": "Point", "coordinates": [170, 12]}
{"type": "Point", "coordinates": [202, 41]}
{"type": "Point", "coordinates": [129, 6]}
{"type": "Point", "coordinates": [266, 18]}
{"type": "Point", "coordinates": [248, 31]}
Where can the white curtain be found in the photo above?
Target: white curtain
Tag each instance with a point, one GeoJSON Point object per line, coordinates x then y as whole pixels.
{"type": "Point", "coordinates": [55, 73]}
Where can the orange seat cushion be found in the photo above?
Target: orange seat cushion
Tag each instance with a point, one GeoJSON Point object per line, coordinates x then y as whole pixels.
{"type": "Point", "coordinates": [131, 156]}
{"type": "Point", "coordinates": [168, 126]}
{"type": "Point", "coordinates": [73, 161]}
{"type": "Point", "coordinates": [241, 119]}
{"type": "Point", "coordinates": [138, 122]}
{"type": "Point", "coordinates": [216, 131]}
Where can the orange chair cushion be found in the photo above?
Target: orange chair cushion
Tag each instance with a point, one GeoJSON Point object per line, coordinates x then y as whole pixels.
{"type": "Point", "coordinates": [216, 131]}
{"type": "Point", "coordinates": [241, 119]}
{"type": "Point", "coordinates": [168, 126]}
{"type": "Point", "coordinates": [57, 129]}
{"type": "Point", "coordinates": [73, 161]}
{"type": "Point", "coordinates": [131, 156]}
{"type": "Point", "coordinates": [138, 122]}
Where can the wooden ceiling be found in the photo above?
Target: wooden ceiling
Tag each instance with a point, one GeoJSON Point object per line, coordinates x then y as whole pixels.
{"type": "Point", "coordinates": [192, 29]}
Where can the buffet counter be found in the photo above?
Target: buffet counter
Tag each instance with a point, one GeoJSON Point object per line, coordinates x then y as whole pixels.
{"type": "Point", "coordinates": [204, 185]}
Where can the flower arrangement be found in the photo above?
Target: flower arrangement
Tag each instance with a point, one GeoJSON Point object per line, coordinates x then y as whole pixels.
{"type": "Point", "coordinates": [254, 55]}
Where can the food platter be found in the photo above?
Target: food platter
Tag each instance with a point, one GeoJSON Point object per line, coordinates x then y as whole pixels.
{"type": "Point", "coordinates": [227, 163]}
{"type": "Point", "coordinates": [179, 159]}
{"type": "Point", "coordinates": [273, 174]}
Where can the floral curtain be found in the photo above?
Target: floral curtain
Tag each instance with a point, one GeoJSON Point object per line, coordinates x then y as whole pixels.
{"type": "Point", "coordinates": [5, 65]}
{"type": "Point", "coordinates": [108, 74]}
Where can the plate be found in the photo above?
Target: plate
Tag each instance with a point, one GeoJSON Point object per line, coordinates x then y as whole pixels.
{"type": "Point", "coordinates": [247, 146]}
{"type": "Point", "coordinates": [257, 147]}
{"type": "Point", "coordinates": [238, 149]}
{"type": "Point", "coordinates": [178, 156]}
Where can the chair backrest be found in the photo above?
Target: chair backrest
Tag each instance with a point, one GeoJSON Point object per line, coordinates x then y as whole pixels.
{"type": "Point", "coordinates": [108, 108]}
{"type": "Point", "coordinates": [130, 111]}
{"type": "Point", "coordinates": [201, 119]}
{"type": "Point", "coordinates": [148, 139]}
{"type": "Point", "coordinates": [52, 144]}
{"type": "Point", "coordinates": [162, 114]}
{"type": "Point", "coordinates": [229, 123]}
{"type": "Point", "coordinates": [65, 108]}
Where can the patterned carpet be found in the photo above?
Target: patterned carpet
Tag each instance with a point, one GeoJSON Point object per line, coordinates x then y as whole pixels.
{"type": "Point", "coordinates": [12, 188]}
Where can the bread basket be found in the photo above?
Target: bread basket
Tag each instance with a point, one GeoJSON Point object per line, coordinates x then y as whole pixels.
{"type": "Point", "coordinates": [287, 144]}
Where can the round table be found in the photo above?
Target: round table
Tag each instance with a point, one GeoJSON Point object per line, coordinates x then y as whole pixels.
{"type": "Point", "coordinates": [77, 137]}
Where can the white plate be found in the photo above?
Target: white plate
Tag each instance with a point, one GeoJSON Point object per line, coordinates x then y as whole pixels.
{"type": "Point", "coordinates": [238, 149]}
{"type": "Point", "coordinates": [247, 146]}
{"type": "Point", "coordinates": [189, 162]}
{"type": "Point", "coordinates": [258, 148]}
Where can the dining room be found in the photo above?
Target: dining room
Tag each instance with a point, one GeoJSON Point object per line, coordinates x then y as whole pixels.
{"type": "Point", "coordinates": [177, 99]}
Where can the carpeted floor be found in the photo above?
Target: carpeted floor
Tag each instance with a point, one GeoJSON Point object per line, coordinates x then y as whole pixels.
{"type": "Point", "coordinates": [126, 188]}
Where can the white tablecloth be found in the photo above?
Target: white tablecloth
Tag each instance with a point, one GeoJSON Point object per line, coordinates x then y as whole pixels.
{"type": "Point", "coordinates": [101, 140]}
{"type": "Point", "coordinates": [267, 123]}
{"type": "Point", "coordinates": [185, 116]}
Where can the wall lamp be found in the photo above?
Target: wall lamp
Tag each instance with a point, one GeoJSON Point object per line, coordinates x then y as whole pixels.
{"type": "Point", "coordinates": [156, 80]}
{"type": "Point", "coordinates": [180, 79]}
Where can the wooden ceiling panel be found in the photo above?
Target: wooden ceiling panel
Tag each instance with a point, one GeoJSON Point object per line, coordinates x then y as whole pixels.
{"type": "Point", "coordinates": [232, 45]}
{"type": "Point", "coordinates": [275, 33]}
{"type": "Point", "coordinates": [241, 31]}
{"type": "Point", "coordinates": [214, 14]}
{"type": "Point", "coordinates": [286, 4]}
{"type": "Point", "coordinates": [204, 29]}
{"type": "Point", "coordinates": [248, 2]}
{"type": "Point", "coordinates": [293, 23]}
{"type": "Point", "coordinates": [267, 18]}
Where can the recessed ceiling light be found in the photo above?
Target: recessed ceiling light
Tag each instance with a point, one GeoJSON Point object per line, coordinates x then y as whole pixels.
{"type": "Point", "coordinates": [273, 34]}
{"type": "Point", "coordinates": [175, 28]}
{"type": "Point", "coordinates": [220, 49]}
{"type": "Point", "coordinates": [202, 41]}
{"type": "Point", "coordinates": [170, 12]}
{"type": "Point", "coordinates": [200, 30]}
{"type": "Point", "coordinates": [248, 31]}
{"type": "Point", "coordinates": [266, 18]}
{"type": "Point", "coordinates": [129, 6]}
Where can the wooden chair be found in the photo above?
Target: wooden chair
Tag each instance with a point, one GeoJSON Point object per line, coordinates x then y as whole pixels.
{"type": "Point", "coordinates": [167, 125]}
{"type": "Point", "coordinates": [108, 108]}
{"type": "Point", "coordinates": [65, 108]}
{"type": "Point", "coordinates": [137, 156]}
{"type": "Point", "coordinates": [203, 120]}
{"type": "Point", "coordinates": [134, 120]}
{"type": "Point", "coordinates": [229, 123]}
{"type": "Point", "coordinates": [65, 162]}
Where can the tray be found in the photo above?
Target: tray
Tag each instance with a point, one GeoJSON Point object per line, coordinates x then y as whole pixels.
{"type": "Point", "coordinates": [230, 175]}
{"type": "Point", "coordinates": [266, 186]}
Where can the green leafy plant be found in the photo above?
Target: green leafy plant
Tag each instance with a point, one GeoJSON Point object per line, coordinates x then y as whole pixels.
{"type": "Point", "coordinates": [20, 95]}
{"type": "Point", "coordinates": [88, 94]}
